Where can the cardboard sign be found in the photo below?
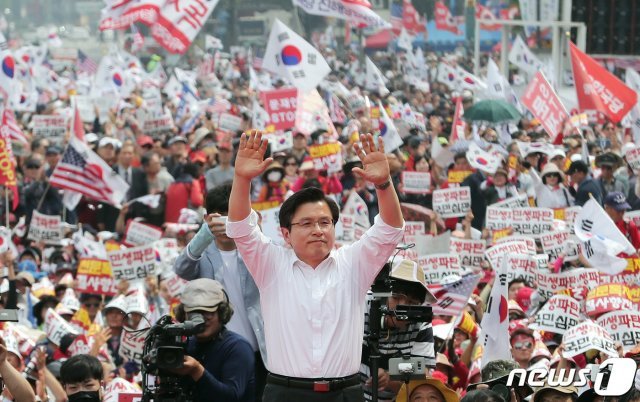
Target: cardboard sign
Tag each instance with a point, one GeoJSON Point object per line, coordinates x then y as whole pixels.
{"type": "Point", "coordinates": [452, 202]}
{"type": "Point", "coordinates": [519, 201]}
{"type": "Point", "coordinates": [327, 157]}
{"type": "Point", "coordinates": [457, 176]}
{"type": "Point", "coordinates": [553, 242]}
{"type": "Point", "coordinates": [559, 314]}
{"type": "Point", "coordinates": [437, 266]}
{"type": "Point", "coordinates": [633, 158]}
{"type": "Point", "coordinates": [521, 266]}
{"type": "Point", "coordinates": [281, 105]}
{"type": "Point", "coordinates": [50, 126]}
{"type": "Point", "coordinates": [81, 345]}
{"type": "Point", "coordinates": [133, 263]}
{"type": "Point", "coordinates": [95, 276]}
{"type": "Point", "coordinates": [138, 233]}
{"type": "Point", "coordinates": [623, 326]}
{"type": "Point", "coordinates": [229, 122]}
{"type": "Point", "coordinates": [530, 243]}
{"type": "Point", "coordinates": [56, 327]}
{"type": "Point", "coordinates": [46, 228]}
{"type": "Point", "coordinates": [157, 124]}
{"type": "Point", "coordinates": [610, 297]}
{"type": "Point", "coordinates": [586, 336]}
{"type": "Point", "coordinates": [531, 221]}
{"type": "Point", "coordinates": [578, 280]}
{"type": "Point", "coordinates": [132, 346]}
{"type": "Point", "coordinates": [471, 252]}
{"type": "Point", "coordinates": [121, 390]}
{"type": "Point", "coordinates": [630, 275]}
{"type": "Point", "coordinates": [545, 105]}
{"type": "Point", "coordinates": [175, 284]}
{"type": "Point", "coordinates": [496, 253]}
{"type": "Point", "coordinates": [416, 182]}
{"type": "Point", "coordinates": [413, 228]}
{"type": "Point", "coordinates": [497, 218]}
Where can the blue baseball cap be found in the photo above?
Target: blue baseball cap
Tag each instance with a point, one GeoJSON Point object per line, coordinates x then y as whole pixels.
{"type": "Point", "coordinates": [617, 201]}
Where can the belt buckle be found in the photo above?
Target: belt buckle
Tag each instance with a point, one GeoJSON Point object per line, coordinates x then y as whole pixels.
{"type": "Point", "coordinates": [321, 386]}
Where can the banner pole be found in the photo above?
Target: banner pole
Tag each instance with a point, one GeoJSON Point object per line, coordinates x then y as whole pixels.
{"type": "Point", "coordinates": [6, 206]}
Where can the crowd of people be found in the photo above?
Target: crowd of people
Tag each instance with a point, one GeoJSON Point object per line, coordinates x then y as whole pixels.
{"type": "Point", "coordinates": [284, 297]}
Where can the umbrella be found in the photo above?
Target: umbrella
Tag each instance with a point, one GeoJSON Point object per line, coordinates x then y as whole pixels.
{"type": "Point", "coordinates": [492, 111]}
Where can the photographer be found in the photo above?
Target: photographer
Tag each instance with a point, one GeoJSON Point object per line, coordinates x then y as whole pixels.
{"type": "Point", "coordinates": [220, 363]}
{"type": "Point", "coordinates": [399, 338]}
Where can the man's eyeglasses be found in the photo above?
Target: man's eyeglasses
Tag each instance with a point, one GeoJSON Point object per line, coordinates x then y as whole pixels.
{"type": "Point", "coordinates": [523, 345]}
{"type": "Point", "coordinates": [307, 224]}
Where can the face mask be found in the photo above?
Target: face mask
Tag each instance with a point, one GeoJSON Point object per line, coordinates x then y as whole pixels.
{"type": "Point", "coordinates": [274, 176]}
{"type": "Point", "coordinates": [85, 396]}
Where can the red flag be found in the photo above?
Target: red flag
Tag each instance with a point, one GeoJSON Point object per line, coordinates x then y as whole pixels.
{"type": "Point", "coordinates": [545, 105]}
{"type": "Point", "coordinates": [598, 89]}
{"type": "Point", "coordinates": [78, 128]}
{"type": "Point", "coordinates": [457, 129]}
{"type": "Point", "coordinates": [8, 167]}
{"type": "Point", "coordinates": [411, 19]}
{"type": "Point", "coordinates": [485, 13]}
{"type": "Point", "coordinates": [444, 19]}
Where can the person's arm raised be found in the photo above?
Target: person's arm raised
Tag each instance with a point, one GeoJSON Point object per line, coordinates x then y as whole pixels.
{"type": "Point", "coordinates": [249, 164]}
{"type": "Point", "coordinates": [376, 170]}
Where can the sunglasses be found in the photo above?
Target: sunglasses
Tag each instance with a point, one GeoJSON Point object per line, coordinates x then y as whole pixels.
{"type": "Point", "coordinates": [32, 167]}
{"type": "Point", "coordinates": [523, 345]}
{"type": "Point", "coordinates": [91, 304]}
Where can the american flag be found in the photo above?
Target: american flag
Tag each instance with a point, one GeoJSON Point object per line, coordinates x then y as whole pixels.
{"type": "Point", "coordinates": [75, 172]}
{"type": "Point", "coordinates": [10, 125]}
{"type": "Point", "coordinates": [85, 64]}
{"type": "Point", "coordinates": [453, 297]}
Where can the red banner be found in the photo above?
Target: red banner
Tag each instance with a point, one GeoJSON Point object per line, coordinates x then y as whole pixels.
{"type": "Point", "coordinates": [598, 89]}
{"type": "Point", "coordinates": [444, 19]}
{"type": "Point", "coordinates": [281, 104]}
{"type": "Point", "coordinates": [544, 104]}
{"type": "Point", "coordinates": [8, 167]}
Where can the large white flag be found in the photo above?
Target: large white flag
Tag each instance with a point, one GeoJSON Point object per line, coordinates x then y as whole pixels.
{"type": "Point", "coordinates": [374, 80]}
{"type": "Point", "coordinates": [494, 336]}
{"type": "Point", "coordinates": [523, 57]}
{"type": "Point", "coordinates": [483, 160]}
{"type": "Point", "coordinates": [293, 58]}
{"type": "Point", "coordinates": [405, 41]}
{"type": "Point", "coordinates": [356, 11]}
{"type": "Point", "coordinates": [388, 131]}
{"type": "Point", "coordinates": [458, 79]}
{"type": "Point", "coordinates": [592, 221]}
{"type": "Point", "coordinates": [601, 254]}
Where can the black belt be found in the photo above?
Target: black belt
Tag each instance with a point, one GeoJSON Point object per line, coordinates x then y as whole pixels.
{"type": "Point", "coordinates": [314, 384]}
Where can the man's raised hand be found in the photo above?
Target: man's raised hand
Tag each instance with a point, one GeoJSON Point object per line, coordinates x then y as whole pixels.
{"type": "Point", "coordinates": [374, 161]}
{"type": "Point", "coordinates": [249, 161]}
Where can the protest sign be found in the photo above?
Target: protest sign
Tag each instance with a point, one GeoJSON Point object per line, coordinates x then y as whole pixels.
{"type": "Point", "coordinates": [471, 252]}
{"type": "Point", "coordinates": [133, 263]}
{"type": "Point", "coordinates": [175, 284]}
{"type": "Point", "coordinates": [132, 345]}
{"type": "Point", "coordinates": [456, 177]}
{"type": "Point", "coordinates": [156, 124]}
{"type": "Point", "coordinates": [168, 251]}
{"type": "Point", "coordinates": [521, 266]}
{"type": "Point", "coordinates": [559, 314]}
{"type": "Point", "coordinates": [229, 122]}
{"type": "Point", "coordinates": [545, 105]}
{"type": "Point", "coordinates": [312, 114]}
{"type": "Point", "coordinates": [497, 252]}
{"type": "Point", "coordinates": [94, 276]}
{"type": "Point", "coordinates": [542, 262]}
{"type": "Point", "coordinates": [271, 225]}
{"type": "Point", "coordinates": [50, 126]}
{"type": "Point", "coordinates": [121, 390]}
{"type": "Point", "coordinates": [138, 233]}
{"type": "Point", "coordinates": [611, 297]}
{"type": "Point", "coordinates": [632, 216]}
{"type": "Point", "coordinates": [327, 157]}
{"type": "Point", "coordinates": [81, 345]}
{"type": "Point", "coordinates": [553, 242]}
{"type": "Point", "coordinates": [56, 327]}
{"type": "Point", "coordinates": [261, 206]}
{"type": "Point", "coordinates": [497, 218]}
{"type": "Point", "coordinates": [281, 106]}
{"type": "Point", "coordinates": [578, 280]}
{"type": "Point", "coordinates": [46, 228]}
{"type": "Point", "coordinates": [416, 182]}
{"type": "Point", "coordinates": [623, 326]}
{"type": "Point", "coordinates": [630, 275]}
{"type": "Point", "coordinates": [633, 158]}
{"type": "Point", "coordinates": [452, 202]}
{"type": "Point", "coordinates": [412, 228]}
{"type": "Point", "coordinates": [529, 242]}
{"type": "Point", "coordinates": [438, 266]}
{"type": "Point", "coordinates": [519, 201]}
{"type": "Point", "coordinates": [586, 336]}
{"type": "Point", "coordinates": [531, 221]}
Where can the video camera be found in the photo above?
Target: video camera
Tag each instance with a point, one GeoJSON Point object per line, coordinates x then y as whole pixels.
{"type": "Point", "coordinates": [163, 350]}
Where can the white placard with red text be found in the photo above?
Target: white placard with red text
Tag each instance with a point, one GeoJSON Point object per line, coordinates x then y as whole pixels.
{"type": "Point", "coordinates": [46, 228]}
{"type": "Point", "coordinates": [133, 263]}
{"type": "Point", "coordinates": [452, 202]}
{"type": "Point", "coordinates": [416, 182]}
{"type": "Point", "coordinates": [139, 234]}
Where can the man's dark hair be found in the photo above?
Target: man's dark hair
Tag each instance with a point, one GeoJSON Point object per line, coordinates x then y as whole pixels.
{"type": "Point", "coordinates": [305, 196]}
{"type": "Point", "coordinates": [80, 368]}
{"type": "Point", "coordinates": [482, 395]}
{"type": "Point", "coordinates": [146, 158]}
{"type": "Point", "coordinates": [460, 155]}
{"type": "Point", "coordinates": [633, 395]}
{"type": "Point", "coordinates": [517, 280]}
{"type": "Point", "coordinates": [218, 199]}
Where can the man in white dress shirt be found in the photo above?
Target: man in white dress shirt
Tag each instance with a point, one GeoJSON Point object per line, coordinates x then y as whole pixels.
{"type": "Point", "coordinates": [312, 295]}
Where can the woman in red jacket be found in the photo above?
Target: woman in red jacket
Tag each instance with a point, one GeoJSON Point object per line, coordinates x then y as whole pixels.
{"type": "Point", "coordinates": [185, 192]}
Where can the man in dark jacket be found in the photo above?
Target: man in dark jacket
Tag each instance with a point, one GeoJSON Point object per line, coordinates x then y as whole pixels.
{"type": "Point", "coordinates": [478, 203]}
{"type": "Point", "coordinates": [579, 172]}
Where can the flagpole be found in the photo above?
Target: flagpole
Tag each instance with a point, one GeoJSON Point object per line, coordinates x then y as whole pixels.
{"type": "Point", "coordinates": [46, 190]}
{"type": "Point", "coordinates": [6, 206]}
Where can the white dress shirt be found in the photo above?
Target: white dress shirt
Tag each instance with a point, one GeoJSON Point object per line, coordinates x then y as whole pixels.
{"type": "Point", "coordinates": [313, 318]}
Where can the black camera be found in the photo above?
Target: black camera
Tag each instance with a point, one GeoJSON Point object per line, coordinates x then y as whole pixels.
{"type": "Point", "coordinates": [163, 350]}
